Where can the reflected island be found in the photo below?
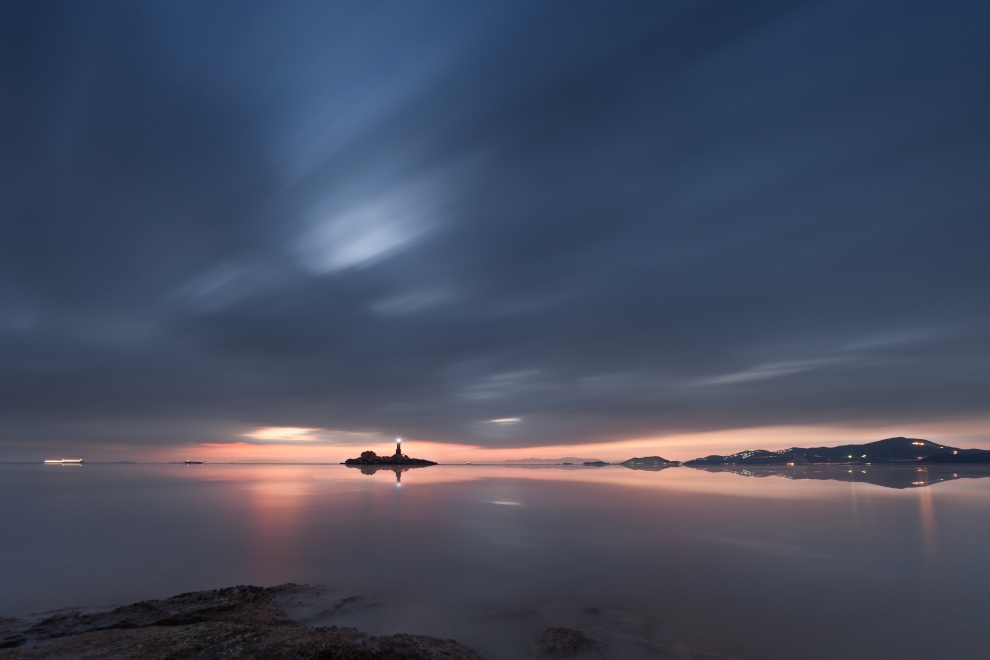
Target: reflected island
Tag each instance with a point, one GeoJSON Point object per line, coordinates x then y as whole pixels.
{"type": "Point", "coordinates": [397, 469]}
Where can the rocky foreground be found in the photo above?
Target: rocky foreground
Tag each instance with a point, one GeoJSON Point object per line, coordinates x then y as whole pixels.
{"type": "Point", "coordinates": [237, 622]}
{"type": "Point", "coordinates": [276, 623]}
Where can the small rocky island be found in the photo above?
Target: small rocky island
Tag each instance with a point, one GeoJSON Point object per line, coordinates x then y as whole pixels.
{"type": "Point", "coordinates": [652, 463]}
{"type": "Point", "coordinates": [398, 458]}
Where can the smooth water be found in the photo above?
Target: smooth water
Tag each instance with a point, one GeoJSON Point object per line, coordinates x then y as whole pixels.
{"type": "Point", "coordinates": [823, 567]}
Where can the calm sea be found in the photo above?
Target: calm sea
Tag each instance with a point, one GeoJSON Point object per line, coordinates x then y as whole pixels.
{"type": "Point", "coordinates": [887, 564]}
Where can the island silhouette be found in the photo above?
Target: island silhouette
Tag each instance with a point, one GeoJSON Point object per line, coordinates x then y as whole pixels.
{"type": "Point", "coordinates": [651, 463]}
{"type": "Point", "coordinates": [398, 458]}
{"type": "Point", "coordinates": [893, 463]}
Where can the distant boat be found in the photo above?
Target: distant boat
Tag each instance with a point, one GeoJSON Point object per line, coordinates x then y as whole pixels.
{"type": "Point", "coordinates": [64, 461]}
{"type": "Point", "coordinates": [194, 462]}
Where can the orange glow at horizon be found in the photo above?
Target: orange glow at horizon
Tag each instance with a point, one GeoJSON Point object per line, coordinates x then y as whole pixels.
{"type": "Point", "coordinates": [677, 446]}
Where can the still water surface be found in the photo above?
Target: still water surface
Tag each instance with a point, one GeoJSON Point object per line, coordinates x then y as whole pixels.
{"type": "Point", "coordinates": [727, 563]}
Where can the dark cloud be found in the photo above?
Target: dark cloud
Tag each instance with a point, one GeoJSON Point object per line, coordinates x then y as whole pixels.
{"type": "Point", "coordinates": [606, 220]}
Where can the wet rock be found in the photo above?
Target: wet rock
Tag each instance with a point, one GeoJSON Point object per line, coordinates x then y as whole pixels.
{"type": "Point", "coordinates": [561, 642]}
{"type": "Point", "coordinates": [238, 622]}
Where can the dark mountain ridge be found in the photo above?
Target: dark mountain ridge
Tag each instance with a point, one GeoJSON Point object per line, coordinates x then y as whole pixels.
{"type": "Point", "coordinates": [896, 451]}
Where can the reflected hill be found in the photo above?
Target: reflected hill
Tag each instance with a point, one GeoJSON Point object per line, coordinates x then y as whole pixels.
{"type": "Point", "coordinates": [888, 476]}
{"type": "Point", "coordinates": [649, 468]}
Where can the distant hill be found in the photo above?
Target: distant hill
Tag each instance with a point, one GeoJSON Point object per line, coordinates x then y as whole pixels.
{"type": "Point", "coordinates": [882, 452]}
{"type": "Point", "coordinates": [649, 462]}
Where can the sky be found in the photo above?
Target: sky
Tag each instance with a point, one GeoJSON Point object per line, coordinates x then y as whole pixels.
{"type": "Point", "coordinates": [290, 230]}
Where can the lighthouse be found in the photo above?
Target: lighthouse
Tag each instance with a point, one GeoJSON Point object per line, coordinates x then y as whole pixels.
{"type": "Point", "coordinates": [398, 447]}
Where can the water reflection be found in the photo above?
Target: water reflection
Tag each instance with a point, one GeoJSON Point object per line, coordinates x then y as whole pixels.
{"type": "Point", "coordinates": [277, 511]}
{"type": "Point", "coordinates": [768, 569]}
{"type": "Point", "coordinates": [397, 469]}
{"type": "Point", "coordinates": [650, 468]}
{"type": "Point", "coordinates": [926, 516]}
{"type": "Point", "coordinates": [888, 476]}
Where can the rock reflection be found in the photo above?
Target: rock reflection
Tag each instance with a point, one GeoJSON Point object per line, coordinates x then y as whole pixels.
{"type": "Point", "coordinates": [886, 476]}
{"type": "Point", "coordinates": [397, 469]}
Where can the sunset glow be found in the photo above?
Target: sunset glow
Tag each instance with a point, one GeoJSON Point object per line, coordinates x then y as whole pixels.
{"type": "Point", "coordinates": [283, 433]}
{"type": "Point", "coordinates": [304, 445]}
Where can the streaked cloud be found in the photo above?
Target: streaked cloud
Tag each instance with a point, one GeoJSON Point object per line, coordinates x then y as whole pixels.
{"type": "Point", "coordinates": [283, 434]}
{"type": "Point", "coordinates": [501, 385]}
{"type": "Point", "coordinates": [767, 371]}
{"type": "Point", "coordinates": [299, 435]}
{"type": "Point", "coordinates": [412, 302]}
{"type": "Point", "coordinates": [359, 237]}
